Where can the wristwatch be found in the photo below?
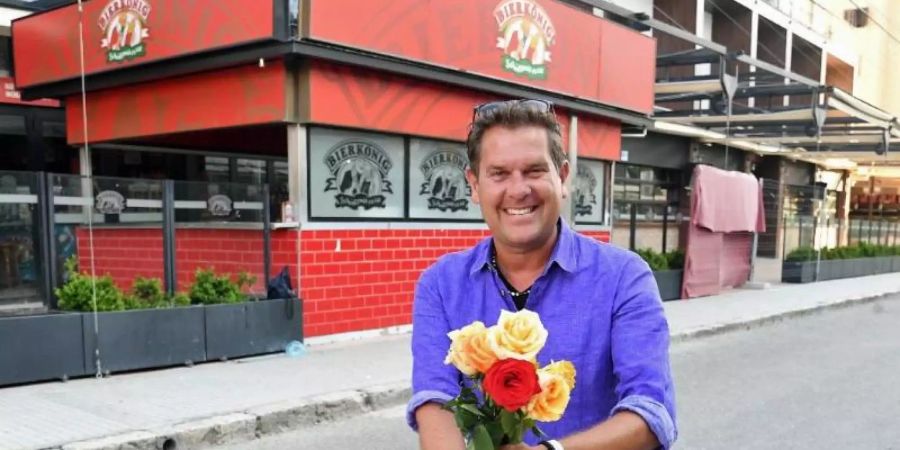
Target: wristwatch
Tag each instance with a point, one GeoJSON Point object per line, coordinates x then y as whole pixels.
{"type": "Point", "coordinates": [552, 445]}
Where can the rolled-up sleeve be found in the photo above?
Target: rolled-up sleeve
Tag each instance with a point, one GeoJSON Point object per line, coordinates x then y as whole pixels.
{"type": "Point", "coordinates": [432, 380]}
{"type": "Point", "coordinates": [640, 352]}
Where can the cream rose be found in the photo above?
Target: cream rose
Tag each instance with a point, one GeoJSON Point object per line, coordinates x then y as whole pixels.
{"type": "Point", "coordinates": [550, 404]}
{"type": "Point", "coordinates": [519, 335]}
{"type": "Point", "coordinates": [469, 350]}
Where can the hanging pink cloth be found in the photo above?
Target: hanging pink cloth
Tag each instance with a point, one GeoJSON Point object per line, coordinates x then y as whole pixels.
{"type": "Point", "coordinates": [726, 202]}
{"type": "Point", "coordinates": [725, 207]}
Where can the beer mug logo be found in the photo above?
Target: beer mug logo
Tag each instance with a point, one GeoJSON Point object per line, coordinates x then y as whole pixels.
{"type": "Point", "coordinates": [219, 205]}
{"type": "Point", "coordinates": [445, 181]}
{"type": "Point", "coordinates": [124, 25]}
{"type": "Point", "coordinates": [526, 34]}
{"type": "Point", "coordinates": [359, 172]}
{"type": "Point", "coordinates": [109, 202]}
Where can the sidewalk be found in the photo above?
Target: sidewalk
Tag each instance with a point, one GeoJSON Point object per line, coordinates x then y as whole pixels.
{"type": "Point", "coordinates": [239, 400]}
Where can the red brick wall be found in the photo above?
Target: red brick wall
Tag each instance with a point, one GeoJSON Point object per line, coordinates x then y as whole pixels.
{"type": "Point", "coordinates": [123, 253]}
{"type": "Point", "coordinates": [126, 253]}
{"type": "Point", "coordinates": [368, 284]}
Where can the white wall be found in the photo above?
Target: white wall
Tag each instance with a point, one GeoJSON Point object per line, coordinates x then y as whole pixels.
{"type": "Point", "coordinates": [7, 15]}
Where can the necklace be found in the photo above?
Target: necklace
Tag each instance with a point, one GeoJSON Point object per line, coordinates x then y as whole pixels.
{"type": "Point", "coordinates": [512, 292]}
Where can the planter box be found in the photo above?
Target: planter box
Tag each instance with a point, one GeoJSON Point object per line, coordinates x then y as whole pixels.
{"type": "Point", "coordinates": [55, 346]}
{"type": "Point", "coordinates": [252, 328]}
{"type": "Point", "coordinates": [669, 283]}
{"type": "Point", "coordinates": [805, 271]}
{"type": "Point", "coordinates": [143, 339]}
{"type": "Point", "coordinates": [44, 347]}
{"type": "Point", "coordinates": [798, 272]}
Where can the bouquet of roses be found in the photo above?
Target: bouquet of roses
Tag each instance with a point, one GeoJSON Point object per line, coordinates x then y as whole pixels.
{"type": "Point", "coordinates": [507, 392]}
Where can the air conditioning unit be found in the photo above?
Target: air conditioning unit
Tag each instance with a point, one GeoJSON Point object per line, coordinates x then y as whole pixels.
{"type": "Point", "coordinates": [858, 17]}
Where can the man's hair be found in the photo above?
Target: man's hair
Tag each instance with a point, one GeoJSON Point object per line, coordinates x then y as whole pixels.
{"type": "Point", "coordinates": [514, 114]}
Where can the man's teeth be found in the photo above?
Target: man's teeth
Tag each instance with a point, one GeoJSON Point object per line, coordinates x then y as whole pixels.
{"type": "Point", "coordinates": [519, 211]}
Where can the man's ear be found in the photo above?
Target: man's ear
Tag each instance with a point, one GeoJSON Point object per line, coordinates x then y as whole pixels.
{"type": "Point", "coordinates": [563, 176]}
{"type": "Point", "coordinates": [472, 178]}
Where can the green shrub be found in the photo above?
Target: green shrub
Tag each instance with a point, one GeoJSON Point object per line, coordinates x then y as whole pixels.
{"type": "Point", "coordinates": [209, 288]}
{"type": "Point", "coordinates": [77, 293]}
{"type": "Point", "coordinates": [675, 259]}
{"type": "Point", "coordinates": [860, 250]}
{"type": "Point", "coordinates": [656, 261]}
{"type": "Point", "coordinates": [801, 254]}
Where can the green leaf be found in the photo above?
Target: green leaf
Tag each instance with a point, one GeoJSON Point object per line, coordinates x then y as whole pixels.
{"type": "Point", "coordinates": [496, 432]}
{"type": "Point", "coordinates": [509, 422]}
{"type": "Point", "coordinates": [464, 419]}
{"type": "Point", "coordinates": [472, 409]}
{"type": "Point", "coordinates": [482, 439]}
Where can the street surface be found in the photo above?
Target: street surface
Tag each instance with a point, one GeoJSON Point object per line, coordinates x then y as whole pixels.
{"type": "Point", "coordinates": [828, 381]}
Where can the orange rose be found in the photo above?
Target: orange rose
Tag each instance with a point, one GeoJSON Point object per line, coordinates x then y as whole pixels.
{"type": "Point", "coordinates": [550, 404]}
{"type": "Point", "coordinates": [469, 350]}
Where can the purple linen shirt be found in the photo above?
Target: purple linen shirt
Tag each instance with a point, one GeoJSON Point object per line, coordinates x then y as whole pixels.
{"type": "Point", "coordinates": [601, 307]}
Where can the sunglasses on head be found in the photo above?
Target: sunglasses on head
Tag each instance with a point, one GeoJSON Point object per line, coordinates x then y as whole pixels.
{"type": "Point", "coordinates": [542, 106]}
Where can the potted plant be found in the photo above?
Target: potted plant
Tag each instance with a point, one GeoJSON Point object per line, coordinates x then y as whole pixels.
{"type": "Point", "coordinates": [668, 270]}
{"type": "Point", "coordinates": [237, 325]}
{"type": "Point", "coordinates": [800, 265]}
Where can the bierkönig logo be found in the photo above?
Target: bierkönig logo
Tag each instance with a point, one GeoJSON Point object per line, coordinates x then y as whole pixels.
{"type": "Point", "coordinates": [445, 181]}
{"type": "Point", "coordinates": [124, 25]}
{"type": "Point", "coordinates": [526, 35]}
{"type": "Point", "coordinates": [359, 172]}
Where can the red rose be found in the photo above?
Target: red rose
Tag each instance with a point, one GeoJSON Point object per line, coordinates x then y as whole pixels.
{"type": "Point", "coordinates": [511, 383]}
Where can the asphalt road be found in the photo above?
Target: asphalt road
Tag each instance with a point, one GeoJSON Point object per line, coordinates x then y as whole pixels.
{"type": "Point", "coordinates": [825, 381]}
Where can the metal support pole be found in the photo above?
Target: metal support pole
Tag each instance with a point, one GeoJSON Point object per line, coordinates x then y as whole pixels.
{"type": "Point", "coordinates": [267, 236]}
{"type": "Point", "coordinates": [632, 226]}
{"type": "Point", "coordinates": [859, 232]}
{"type": "Point", "coordinates": [47, 238]}
{"type": "Point", "coordinates": [665, 227]}
{"type": "Point", "coordinates": [169, 237]}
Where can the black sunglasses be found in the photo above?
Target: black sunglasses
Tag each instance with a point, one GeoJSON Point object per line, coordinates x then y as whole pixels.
{"type": "Point", "coordinates": [541, 106]}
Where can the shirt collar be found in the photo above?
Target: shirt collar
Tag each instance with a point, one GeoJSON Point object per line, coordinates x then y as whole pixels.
{"type": "Point", "coordinates": [563, 253]}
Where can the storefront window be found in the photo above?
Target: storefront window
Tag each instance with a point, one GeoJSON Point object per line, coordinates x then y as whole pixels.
{"type": "Point", "coordinates": [356, 175]}
{"type": "Point", "coordinates": [437, 181]}
{"type": "Point", "coordinates": [646, 207]}
{"type": "Point", "coordinates": [588, 191]}
{"type": "Point", "coordinates": [20, 265]}
{"type": "Point", "coordinates": [251, 171]}
{"type": "Point", "coordinates": [216, 168]}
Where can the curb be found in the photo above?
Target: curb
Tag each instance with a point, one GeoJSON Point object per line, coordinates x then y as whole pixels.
{"type": "Point", "coordinates": [718, 329]}
{"type": "Point", "coordinates": [253, 423]}
{"type": "Point", "coordinates": [301, 413]}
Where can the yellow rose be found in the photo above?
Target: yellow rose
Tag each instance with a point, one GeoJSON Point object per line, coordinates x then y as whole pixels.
{"type": "Point", "coordinates": [517, 335]}
{"type": "Point", "coordinates": [551, 403]}
{"type": "Point", "coordinates": [469, 350]}
{"type": "Point", "coordinates": [565, 369]}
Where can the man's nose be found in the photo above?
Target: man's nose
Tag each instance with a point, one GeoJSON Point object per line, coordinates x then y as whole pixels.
{"type": "Point", "coordinates": [520, 186]}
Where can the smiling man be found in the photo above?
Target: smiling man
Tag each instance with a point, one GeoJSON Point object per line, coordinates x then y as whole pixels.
{"type": "Point", "coordinates": [599, 303]}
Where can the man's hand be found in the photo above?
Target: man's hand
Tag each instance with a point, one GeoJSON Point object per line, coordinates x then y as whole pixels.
{"type": "Point", "coordinates": [522, 447]}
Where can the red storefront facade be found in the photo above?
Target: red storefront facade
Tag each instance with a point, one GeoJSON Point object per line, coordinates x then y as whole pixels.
{"type": "Point", "coordinates": [385, 87]}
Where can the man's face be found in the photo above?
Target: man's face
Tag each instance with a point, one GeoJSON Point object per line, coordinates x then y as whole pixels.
{"type": "Point", "coordinates": [518, 187]}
